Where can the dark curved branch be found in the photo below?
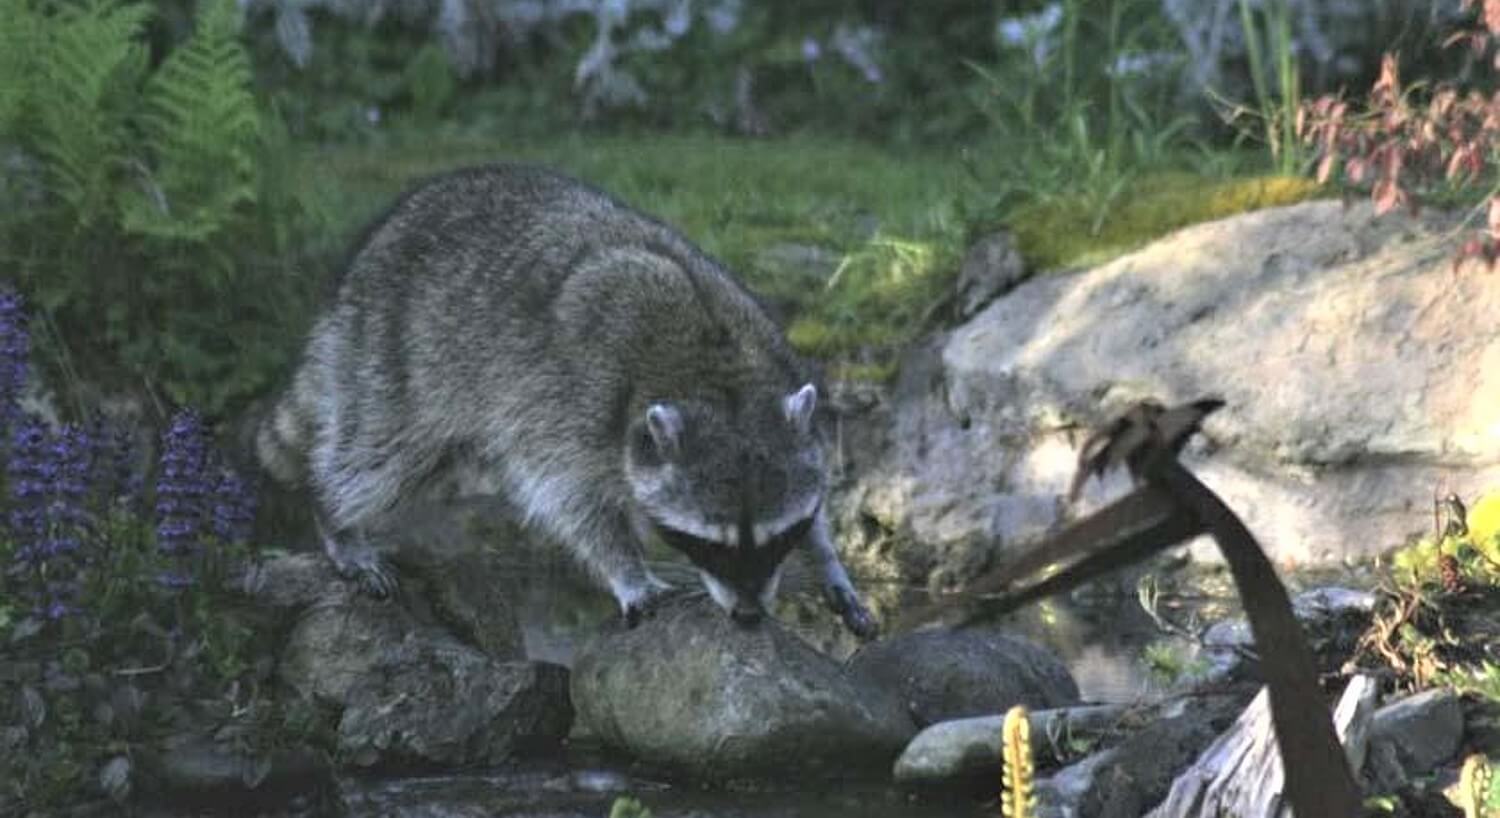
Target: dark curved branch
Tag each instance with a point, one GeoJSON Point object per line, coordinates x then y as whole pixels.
{"type": "Point", "coordinates": [1170, 506]}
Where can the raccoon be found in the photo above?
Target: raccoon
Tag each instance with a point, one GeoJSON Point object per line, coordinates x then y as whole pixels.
{"type": "Point", "coordinates": [617, 383]}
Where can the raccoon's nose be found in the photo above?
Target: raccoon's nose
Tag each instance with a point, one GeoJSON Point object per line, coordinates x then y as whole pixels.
{"type": "Point", "coordinates": [744, 614]}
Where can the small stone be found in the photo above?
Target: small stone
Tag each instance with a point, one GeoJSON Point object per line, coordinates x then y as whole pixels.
{"type": "Point", "coordinates": [1424, 729]}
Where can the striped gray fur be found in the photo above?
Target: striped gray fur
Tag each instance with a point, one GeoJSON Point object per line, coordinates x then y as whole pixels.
{"type": "Point", "coordinates": [615, 381]}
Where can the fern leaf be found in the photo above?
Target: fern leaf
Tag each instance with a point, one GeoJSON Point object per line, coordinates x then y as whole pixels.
{"type": "Point", "coordinates": [202, 129]}
{"type": "Point", "coordinates": [19, 27]}
{"type": "Point", "coordinates": [1016, 799]}
{"type": "Point", "coordinates": [88, 68]}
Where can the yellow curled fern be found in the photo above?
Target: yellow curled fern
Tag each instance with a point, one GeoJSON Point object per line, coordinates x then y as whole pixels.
{"type": "Point", "coordinates": [1017, 772]}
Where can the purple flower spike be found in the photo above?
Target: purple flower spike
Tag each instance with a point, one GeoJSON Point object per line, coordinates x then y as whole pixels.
{"type": "Point", "coordinates": [15, 351]}
{"type": "Point", "coordinates": [182, 486]}
{"type": "Point", "coordinates": [233, 509]}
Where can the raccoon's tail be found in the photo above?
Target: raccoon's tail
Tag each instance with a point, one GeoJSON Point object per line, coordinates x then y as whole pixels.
{"type": "Point", "coordinates": [282, 435]}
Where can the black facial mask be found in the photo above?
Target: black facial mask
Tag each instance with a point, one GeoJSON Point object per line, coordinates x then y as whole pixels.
{"type": "Point", "coordinates": [747, 568]}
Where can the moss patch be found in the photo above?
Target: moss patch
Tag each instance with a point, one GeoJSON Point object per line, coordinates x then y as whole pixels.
{"type": "Point", "coordinates": [1057, 233]}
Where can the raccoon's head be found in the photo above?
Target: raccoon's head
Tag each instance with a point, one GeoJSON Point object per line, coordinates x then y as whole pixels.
{"type": "Point", "coordinates": [733, 490]}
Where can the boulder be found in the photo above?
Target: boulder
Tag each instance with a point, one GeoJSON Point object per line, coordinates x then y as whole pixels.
{"type": "Point", "coordinates": [1360, 369]}
{"type": "Point", "coordinates": [942, 674]}
{"type": "Point", "coordinates": [691, 691]}
{"type": "Point", "coordinates": [411, 689]}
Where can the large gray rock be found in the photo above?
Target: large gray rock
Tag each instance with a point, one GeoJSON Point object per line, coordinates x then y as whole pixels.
{"type": "Point", "coordinates": [1360, 369]}
{"type": "Point", "coordinates": [943, 674]}
{"type": "Point", "coordinates": [691, 691]}
{"type": "Point", "coordinates": [431, 677]}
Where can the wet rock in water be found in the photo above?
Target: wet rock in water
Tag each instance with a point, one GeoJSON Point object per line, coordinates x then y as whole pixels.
{"type": "Point", "coordinates": [691, 691]}
{"type": "Point", "coordinates": [1417, 733]}
{"type": "Point", "coordinates": [193, 769]}
{"type": "Point", "coordinates": [943, 674]}
{"type": "Point", "coordinates": [1129, 778]}
{"type": "Point", "coordinates": [961, 750]}
{"type": "Point", "coordinates": [1332, 620]}
{"type": "Point", "coordinates": [410, 691]}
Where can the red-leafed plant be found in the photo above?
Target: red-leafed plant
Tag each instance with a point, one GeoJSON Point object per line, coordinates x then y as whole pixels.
{"type": "Point", "coordinates": [1404, 143]}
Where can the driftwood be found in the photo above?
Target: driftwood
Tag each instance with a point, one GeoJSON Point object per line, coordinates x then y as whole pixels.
{"type": "Point", "coordinates": [1169, 505]}
{"type": "Point", "coordinates": [1241, 773]}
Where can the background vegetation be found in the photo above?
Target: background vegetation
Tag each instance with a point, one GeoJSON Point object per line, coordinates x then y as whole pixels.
{"type": "Point", "coordinates": [179, 179]}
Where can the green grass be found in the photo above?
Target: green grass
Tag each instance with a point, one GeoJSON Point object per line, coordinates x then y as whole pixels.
{"type": "Point", "coordinates": [891, 224]}
{"type": "Point", "coordinates": [891, 218]}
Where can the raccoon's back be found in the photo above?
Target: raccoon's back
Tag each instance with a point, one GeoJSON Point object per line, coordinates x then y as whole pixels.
{"type": "Point", "coordinates": [515, 270]}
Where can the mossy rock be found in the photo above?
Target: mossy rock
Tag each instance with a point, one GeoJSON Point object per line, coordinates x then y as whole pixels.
{"type": "Point", "coordinates": [1060, 233]}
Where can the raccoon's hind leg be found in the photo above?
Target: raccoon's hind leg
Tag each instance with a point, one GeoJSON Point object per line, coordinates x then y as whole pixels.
{"type": "Point", "coordinates": [838, 591]}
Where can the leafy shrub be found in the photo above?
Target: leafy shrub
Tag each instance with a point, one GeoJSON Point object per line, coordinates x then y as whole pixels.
{"type": "Point", "coordinates": [111, 591]}
{"type": "Point", "coordinates": [135, 193]}
{"type": "Point", "coordinates": [1408, 143]}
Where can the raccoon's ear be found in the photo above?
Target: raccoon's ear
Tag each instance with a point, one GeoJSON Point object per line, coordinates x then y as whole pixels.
{"type": "Point", "coordinates": [799, 407]}
{"type": "Point", "coordinates": [664, 423]}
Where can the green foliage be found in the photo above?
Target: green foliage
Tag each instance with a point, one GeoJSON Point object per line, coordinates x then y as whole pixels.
{"type": "Point", "coordinates": [628, 807]}
{"type": "Point", "coordinates": [1069, 115]}
{"type": "Point", "coordinates": [132, 221]}
{"type": "Point", "coordinates": [1269, 47]}
{"type": "Point", "coordinates": [141, 662]}
{"type": "Point", "coordinates": [1169, 663]}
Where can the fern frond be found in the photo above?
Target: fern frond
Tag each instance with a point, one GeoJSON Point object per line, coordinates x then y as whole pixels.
{"type": "Point", "coordinates": [19, 28]}
{"type": "Point", "coordinates": [88, 68]}
{"type": "Point", "coordinates": [1474, 787]}
{"type": "Point", "coordinates": [201, 129]}
{"type": "Point", "coordinates": [1018, 772]}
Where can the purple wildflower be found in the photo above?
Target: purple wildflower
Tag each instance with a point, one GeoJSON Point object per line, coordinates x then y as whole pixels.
{"type": "Point", "coordinates": [30, 476]}
{"type": "Point", "coordinates": [181, 485]}
{"type": "Point", "coordinates": [48, 480]}
{"type": "Point", "coordinates": [233, 508]}
{"type": "Point", "coordinates": [15, 349]}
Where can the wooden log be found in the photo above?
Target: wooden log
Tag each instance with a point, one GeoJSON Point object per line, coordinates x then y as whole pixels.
{"type": "Point", "coordinates": [1241, 773]}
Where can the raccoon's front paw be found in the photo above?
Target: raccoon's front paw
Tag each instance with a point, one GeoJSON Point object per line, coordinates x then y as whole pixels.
{"type": "Point", "coordinates": [857, 618]}
{"type": "Point", "coordinates": [366, 568]}
{"type": "Point", "coordinates": [644, 606]}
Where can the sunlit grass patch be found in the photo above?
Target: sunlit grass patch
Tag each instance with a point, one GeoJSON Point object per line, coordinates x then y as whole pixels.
{"type": "Point", "coordinates": [1057, 233]}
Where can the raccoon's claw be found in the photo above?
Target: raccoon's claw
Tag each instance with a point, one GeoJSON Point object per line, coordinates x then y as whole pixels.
{"type": "Point", "coordinates": [379, 581]}
{"type": "Point", "coordinates": [857, 618]}
{"type": "Point", "coordinates": [373, 575]}
{"type": "Point", "coordinates": [642, 607]}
